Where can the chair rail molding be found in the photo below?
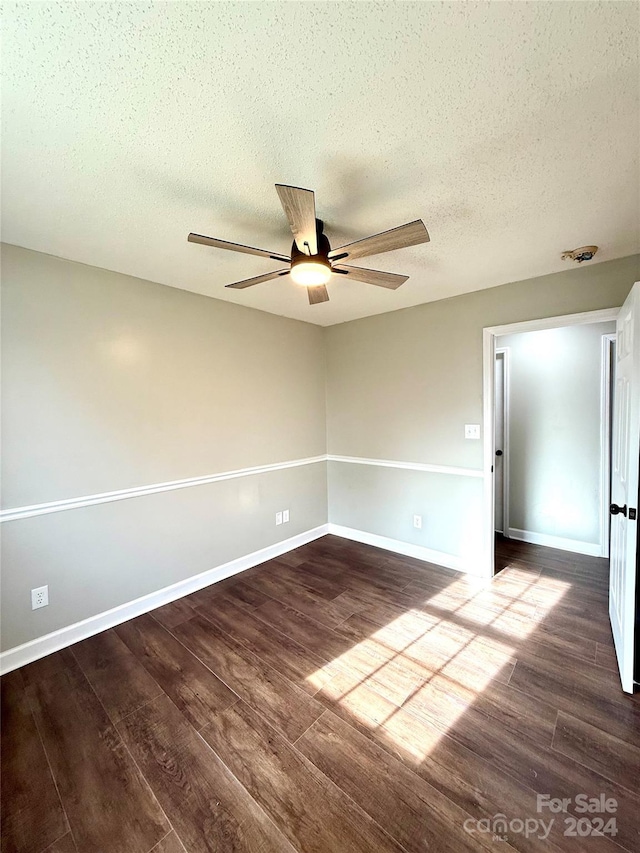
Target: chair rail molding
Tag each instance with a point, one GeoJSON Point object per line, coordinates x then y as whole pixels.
{"type": "Point", "coordinates": [15, 513]}
{"type": "Point", "coordinates": [19, 512]}
{"type": "Point", "coordinates": [408, 466]}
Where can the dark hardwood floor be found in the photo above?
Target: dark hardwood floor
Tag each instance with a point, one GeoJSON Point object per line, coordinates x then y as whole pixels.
{"type": "Point", "coordinates": [337, 699]}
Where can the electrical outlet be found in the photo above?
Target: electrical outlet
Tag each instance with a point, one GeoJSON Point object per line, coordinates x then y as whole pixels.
{"type": "Point", "coordinates": [472, 431]}
{"type": "Point", "coordinates": [278, 518]}
{"type": "Point", "coordinates": [417, 522]}
{"type": "Point", "coordinates": [285, 516]}
{"type": "Point", "coordinates": [39, 597]}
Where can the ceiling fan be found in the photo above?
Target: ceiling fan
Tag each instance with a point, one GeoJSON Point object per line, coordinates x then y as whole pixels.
{"type": "Point", "coordinates": [313, 261]}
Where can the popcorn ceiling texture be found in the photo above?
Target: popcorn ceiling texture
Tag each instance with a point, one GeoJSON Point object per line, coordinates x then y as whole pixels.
{"type": "Point", "coordinates": [510, 128]}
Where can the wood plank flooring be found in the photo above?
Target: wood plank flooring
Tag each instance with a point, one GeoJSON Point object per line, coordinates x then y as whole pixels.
{"type": "Point", "coordinates": [339, 699]}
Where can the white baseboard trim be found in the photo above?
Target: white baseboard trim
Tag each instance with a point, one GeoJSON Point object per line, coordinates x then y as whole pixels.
{"type": "Point", "coordinates": [63, 637]}
{"type": "Point", "coordinates": [439, 558]}
{"type": "Point", "coordinates": [574, 545]}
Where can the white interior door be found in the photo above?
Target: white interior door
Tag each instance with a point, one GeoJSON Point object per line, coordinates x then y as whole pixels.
{"type": "Point", "coordinates": [624, 486]}
{"type": "Point", "coordinates": [499, 441]}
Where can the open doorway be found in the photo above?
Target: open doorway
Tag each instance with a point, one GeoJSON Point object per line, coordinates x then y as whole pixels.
{"type": "Point", "coordinates": [517, 508]}
{"type": "Point", "coordinates": [552, 437]}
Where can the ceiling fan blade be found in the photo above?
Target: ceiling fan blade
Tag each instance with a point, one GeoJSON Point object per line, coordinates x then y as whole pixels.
{"type": "Point", "coordinates": [258, 279]}
{"type": "Point", "coordinates": [300, 209]}
{"type": "Point", "coordinates": [397, 238]}
{"type": "Point", "coordinates": [236, 247]}
{"type": "Point", "coordinates": [317, 294]}
{"type": "Point", "coordinates": [381, 279]}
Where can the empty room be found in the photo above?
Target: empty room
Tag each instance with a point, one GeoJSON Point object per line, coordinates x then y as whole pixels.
{"type": "Point", "coordinates": [320, 414]}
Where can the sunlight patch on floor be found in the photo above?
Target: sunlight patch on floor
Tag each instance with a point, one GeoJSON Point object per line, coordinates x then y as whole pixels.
{"type": "Point", "coordinates": [412, 678]}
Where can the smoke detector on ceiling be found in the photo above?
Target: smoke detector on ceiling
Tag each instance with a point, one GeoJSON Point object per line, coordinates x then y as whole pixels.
{"type": "Point", "coordinates": [584, 253]}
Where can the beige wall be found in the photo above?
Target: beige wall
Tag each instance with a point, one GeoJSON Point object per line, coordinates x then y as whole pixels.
{"type": "Point", "coordinates": [401, 386]}
{"type": "Point", "coordinates": [554, 431]}
{"type": "Point", "coordinates": [111, 382]}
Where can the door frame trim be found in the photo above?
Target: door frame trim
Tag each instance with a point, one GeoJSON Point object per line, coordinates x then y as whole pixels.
{"type": "Point", "coordinates": [489, 335]}
{"type": "Point", "coordinates": [605, 441]}
{"type": "Point", "coordinates": [506, 359]}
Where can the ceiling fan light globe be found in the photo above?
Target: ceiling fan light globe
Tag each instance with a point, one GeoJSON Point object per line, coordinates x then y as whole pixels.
{"type": "Point", "coordinates": [310, 273]}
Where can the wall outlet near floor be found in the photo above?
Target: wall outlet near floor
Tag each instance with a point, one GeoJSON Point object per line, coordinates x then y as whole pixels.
{"type": "Point", "coordinates": [39, 597]}
{"type": "Point", "coordinates": [285, 516]}
{"type": "Point", "coordinates": [472, 430]}
{"type": "Point", "coordinates": [278, 518]}
{"type": "Point", "coordinates": [417, 522]}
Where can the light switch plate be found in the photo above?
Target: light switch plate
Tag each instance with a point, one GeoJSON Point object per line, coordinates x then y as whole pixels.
{"type": "Point", "coordinates": [472, 431]}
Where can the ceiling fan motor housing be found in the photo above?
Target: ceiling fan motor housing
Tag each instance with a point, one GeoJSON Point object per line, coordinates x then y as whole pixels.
{"type": "Point", "coordinates": [298, 257]}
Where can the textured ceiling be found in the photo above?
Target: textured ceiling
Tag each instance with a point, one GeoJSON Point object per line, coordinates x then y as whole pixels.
{"type": "Point", "coordinates": [511, 128]}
